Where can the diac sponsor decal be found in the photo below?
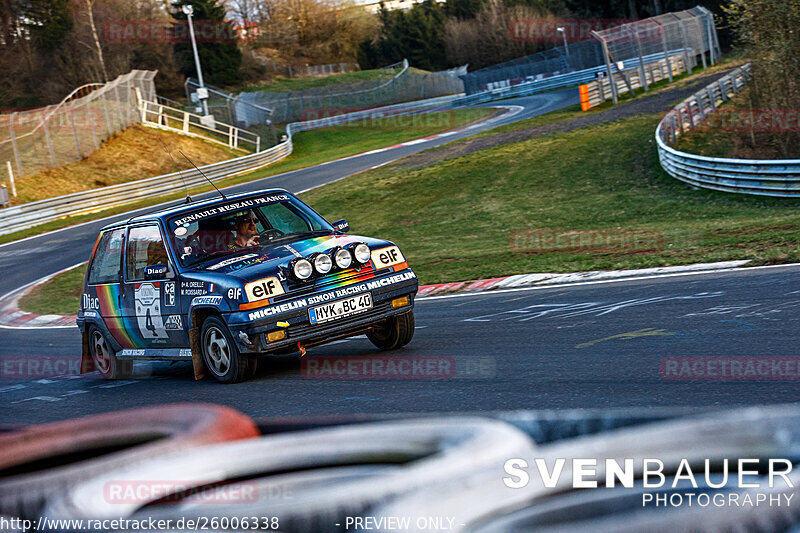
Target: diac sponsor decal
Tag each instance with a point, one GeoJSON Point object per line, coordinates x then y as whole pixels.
{"type": "Point", "coordinates": [90, 302]}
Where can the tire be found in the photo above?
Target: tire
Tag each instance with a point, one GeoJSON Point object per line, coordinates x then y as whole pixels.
{"type": "Point", "coordinates": [303, 477]}
{"type": "Point", "coordinates": [42, 461]}
{"type": "Point", "coordinates": [105, 360]}
{"type": "Point", "coordinates": [396, 332]}
{"type": "Point", "coordinates": [220, 355]}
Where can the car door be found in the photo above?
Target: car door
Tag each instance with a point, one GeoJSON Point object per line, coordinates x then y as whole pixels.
{"type": "Point", "coordinates": [149, 292]}
{"type": "Point", "coordinates": [103, 288]}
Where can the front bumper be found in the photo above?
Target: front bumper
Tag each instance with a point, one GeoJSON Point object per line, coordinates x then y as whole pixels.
{"type": "Point", "coordinates": [256, 324]}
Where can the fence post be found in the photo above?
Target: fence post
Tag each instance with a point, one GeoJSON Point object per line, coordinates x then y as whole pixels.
{"type": "Point", "coordinates": [11, 179]}
{"type": "Point", "coordinates": [688, 62]}
{"type": "Point", "coordinates": [47, 138]}
{"type": "Point", "coordinates": [608, 66]}
{"type": "Point", "coordinates": [109, 127]}
{"type": "Point", "coordinates": [75, 134]}
{"type": "Point", "coordinates": [641, 59]}
{"type": "Point", "coordinates": [94, 133]}
{"type": "Point", "coordinates": [14, 143]}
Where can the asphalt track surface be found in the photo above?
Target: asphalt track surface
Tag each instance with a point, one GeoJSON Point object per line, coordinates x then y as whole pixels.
{"type": "Point", "coordinates": [587, 345]}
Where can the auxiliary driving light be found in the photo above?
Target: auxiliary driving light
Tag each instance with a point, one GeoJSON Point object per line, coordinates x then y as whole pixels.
{"type": "Point", "coordinates": [323, 263]}
{"type": "Point", "coordinates": [343, 258]}
{"type": "Point", "coordinates": [362, 253]}
{"type": "Point", "coordinates": [276, 335]}
{"type": "Point", "coordinates": [302, 269]}
{"type": "Point", "coordinates": [400, 302]}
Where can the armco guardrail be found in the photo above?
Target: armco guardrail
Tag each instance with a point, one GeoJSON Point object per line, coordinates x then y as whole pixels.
{"type": "Point", "coordinates": [773, 177]}
{"type": "Point", "coordinates": [559, 81]}
{"type": "Point", "coordinates": [34, 213]}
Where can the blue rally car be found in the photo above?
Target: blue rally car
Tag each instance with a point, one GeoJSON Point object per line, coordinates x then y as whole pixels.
{"type": "Point", "coordinates": [223, 281]}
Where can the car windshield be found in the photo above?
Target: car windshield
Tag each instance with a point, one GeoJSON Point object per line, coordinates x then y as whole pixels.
{"type": "Point", "coordinates": [227, 228]}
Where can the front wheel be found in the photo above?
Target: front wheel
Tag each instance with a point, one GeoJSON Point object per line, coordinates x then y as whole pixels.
{"type": "Point", "coordinates": [394, 332]}
{"type": "Point", "coordinates": [220, 355]}
{"type": "Point", "coordinates": [105, 360]}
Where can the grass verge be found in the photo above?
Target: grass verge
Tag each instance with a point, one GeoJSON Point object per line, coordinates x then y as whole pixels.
{"type": "Point", "coordinates": [310, 148]}
{"type": "Point", "coordinates": [130, 155]}
{"type": "Point", "coordinates": [58, 296]}
{"type": "Point", "coordinates": [282, 84]}
{"type": "Point", "coordinates": [462, 218]}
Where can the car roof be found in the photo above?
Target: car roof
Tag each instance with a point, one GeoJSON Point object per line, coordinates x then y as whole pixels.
{"type": "Point", "coordinates": [177, 209]}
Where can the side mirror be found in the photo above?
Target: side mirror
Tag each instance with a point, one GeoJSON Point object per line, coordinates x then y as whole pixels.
{"type": "Point", "coordinates": [341, 226]}
{"type": "Point", "coordinates": [155, 272]}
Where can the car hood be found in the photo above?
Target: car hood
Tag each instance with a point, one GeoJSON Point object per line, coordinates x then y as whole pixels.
{"type": "Point", "coordinates": [265, 261]}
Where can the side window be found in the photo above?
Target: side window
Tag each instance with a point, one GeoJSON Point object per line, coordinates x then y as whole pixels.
{"type": "Point", "coordinates": [107, 258]}
{"type": "Point", "coordinates": [145, 247]}
{"type": "Point", "coordinates": [284, 219]}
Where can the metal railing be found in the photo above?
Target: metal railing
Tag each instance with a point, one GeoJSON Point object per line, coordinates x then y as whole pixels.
{"type": "Point", "coordinates": [692, 31]}
{"type": "Point", "coordinates": [561, 81]}
{"type": "Point", "coordinates": [595, 93]}
{"type": "Point", "coordinates": [34, 213]}
{"type": "Point", "coordinates": [164, 117]}
{"type": "Point", "coordinates": [771, 177]}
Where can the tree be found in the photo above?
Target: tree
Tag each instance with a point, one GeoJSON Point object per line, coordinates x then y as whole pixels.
{"type": "Point", "coordinates": [767, 30]}
{"type": "Point", "coordinates": [220, 57]}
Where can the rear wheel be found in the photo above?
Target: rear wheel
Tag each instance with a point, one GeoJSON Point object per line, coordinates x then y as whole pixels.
{"type": "Point", "coordinates": [105, 360]}
{"type": "Point", "coordinates": [220, 355]}
{"type": "Point", "coordinates": [394, 333]}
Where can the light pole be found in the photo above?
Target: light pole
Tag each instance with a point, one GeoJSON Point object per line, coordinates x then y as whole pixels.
{"type": "Point", "coordinates": [563, 33]}
{"type": "Point", "coordinates": [202, 94]}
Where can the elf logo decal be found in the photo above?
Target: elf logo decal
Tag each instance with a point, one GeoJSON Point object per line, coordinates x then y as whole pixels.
{"type": "Point", "coordinates": [263, 288]}
{"type": "Point", "coordinates": [148, 311]}
{"type": "Point", "coordinates": [234, 294]}
{"type": "Point", "coordinates": [386, 257]}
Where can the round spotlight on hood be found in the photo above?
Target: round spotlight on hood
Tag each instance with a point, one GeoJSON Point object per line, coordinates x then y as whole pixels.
{"type": "Point", "coordinates": [302, 269]}
{"type": "Point", "coordinates": [362, 253]}
{"type": "Point", "coordinates": [323, 263]}
{"type": "Point", "coordinates": [343, 258]}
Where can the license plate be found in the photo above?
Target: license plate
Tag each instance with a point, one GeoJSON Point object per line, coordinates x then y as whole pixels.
{"type": "Point", "coordinates": [340, 308]}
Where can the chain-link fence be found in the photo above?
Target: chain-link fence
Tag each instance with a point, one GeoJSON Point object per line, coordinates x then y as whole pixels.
{"type": "Point", "coordinates": [252, 107]}
{"type": "Point", "coordinates": [36, 139]}
{"type": "Point", "coordinates": [691, 33]}
{"type": "Point", "coordinates": [559, 60]}
{"type": "Point", "coordinates": [623, 47]}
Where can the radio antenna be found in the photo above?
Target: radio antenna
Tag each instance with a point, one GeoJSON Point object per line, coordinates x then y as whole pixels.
{"type": "Point", "coordinates": [188, 198]}
{"type": "Point", "coordinates": [206, 177]}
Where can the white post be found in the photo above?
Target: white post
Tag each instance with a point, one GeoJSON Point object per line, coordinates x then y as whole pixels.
{"type": "Point", "coordinates": [11, 179]}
